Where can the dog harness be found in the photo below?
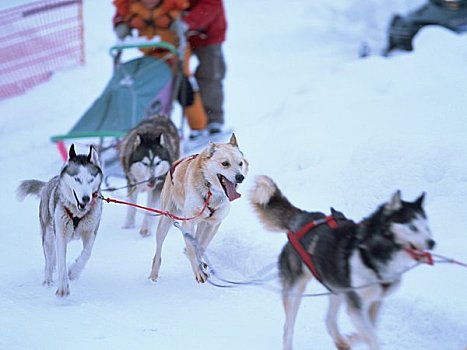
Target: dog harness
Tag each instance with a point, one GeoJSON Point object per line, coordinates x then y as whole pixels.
{"type": "Point", "coordinates": [295, 237]}
{"type": "Point", "coordinates": [174, 165]}
{"type": "Point", "coordinates": [76, 219]}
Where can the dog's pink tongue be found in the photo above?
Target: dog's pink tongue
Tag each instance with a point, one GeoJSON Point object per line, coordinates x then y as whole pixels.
{"type": "Point", "coordinates": [232, 193]}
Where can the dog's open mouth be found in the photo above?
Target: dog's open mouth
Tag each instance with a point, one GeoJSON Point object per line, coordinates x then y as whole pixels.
{"type": "Point", "coordinates": [229, 187]}
{"type": "Point", "coordinates": [419, 254]}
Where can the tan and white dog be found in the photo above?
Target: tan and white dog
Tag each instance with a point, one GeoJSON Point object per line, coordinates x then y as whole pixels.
{"type": "Point", "coordinates": [206, 180]}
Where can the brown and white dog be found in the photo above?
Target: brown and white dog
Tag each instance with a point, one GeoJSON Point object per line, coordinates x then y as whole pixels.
{"type": "Point", "coordinates": [206, 180]}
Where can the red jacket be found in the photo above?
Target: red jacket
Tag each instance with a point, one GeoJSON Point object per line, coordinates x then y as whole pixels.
{"type": "Point", "coordinates": [207, 17]}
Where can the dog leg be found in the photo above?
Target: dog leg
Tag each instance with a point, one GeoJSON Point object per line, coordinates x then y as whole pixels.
{"type": "Point", "coordinates": [205, 233]}
{"type": "Point", "coordinates": [359, 314]}
{"type": "Point", "coordinates": [194, 251]}
{"type": "Point", "coordinates": [291, 298]}
{"type": "Point", "coordinates": [63, 286]}
{"type": "Point", "coordinates": [331, 322]}
{"type": "Point", "coordinates": [148, 218]}
{"type": "Point", "coordinates": [131, 211]}
{"type": "Point", "coordinates": [88, 239]}
{"type": "Point", "coordinates": [374, 311]}
{"type": "Point", "coordinates": [162, 229]}
{"type": "Point", "coordinates": [48, 245]}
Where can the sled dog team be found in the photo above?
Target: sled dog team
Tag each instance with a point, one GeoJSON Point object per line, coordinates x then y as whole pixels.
{"type": "Point", "coordinates": [338, 252]}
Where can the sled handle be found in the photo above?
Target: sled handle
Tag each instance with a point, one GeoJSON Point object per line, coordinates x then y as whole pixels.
{"type": "Point", "coordinates": [114, 50]}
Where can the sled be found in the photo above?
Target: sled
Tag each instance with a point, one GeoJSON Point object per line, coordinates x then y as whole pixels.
{"type": "Point", "coordinates": [138, 88]}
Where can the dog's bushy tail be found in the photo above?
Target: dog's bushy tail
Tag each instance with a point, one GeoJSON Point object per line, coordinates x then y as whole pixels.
{"type": "Point", "coordinates": [273, 208]}
{"type": "Point", "coordinates": [29, 187]}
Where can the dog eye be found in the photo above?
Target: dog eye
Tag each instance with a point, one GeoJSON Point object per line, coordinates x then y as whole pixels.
{"type": "Point", "coordinates": [225, 163]}
{"type": "Point", "coordinates": [145, 163]}
{"type": "Point", "coordinates": [413, 228]}
{"type": "Point", "coordinates": [240, 164]}
{"type": "Point", "coordinates": [78, 180]}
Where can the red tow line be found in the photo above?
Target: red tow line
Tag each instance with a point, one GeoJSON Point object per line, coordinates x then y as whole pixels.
{"type": "Point", "coordinates": [161, 212]}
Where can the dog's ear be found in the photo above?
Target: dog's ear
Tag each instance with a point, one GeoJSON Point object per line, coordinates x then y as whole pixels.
{"type": "Point", "coordinates": [337, 214]}
{"type": "Point", "coordinates": [72, 152]}
{"type": "Point", "coordinates": [212, 149]}
{"type": "Point", "coordinates": [138, 141]}
{"type": "Point", "coordinates": [419, 201]}
{"type": "Point", "coordinates": [233, 140]}
{"type": "Point", "coordinates": [93, 156]}
{"type": "Point", "coordinates": [394, 203]}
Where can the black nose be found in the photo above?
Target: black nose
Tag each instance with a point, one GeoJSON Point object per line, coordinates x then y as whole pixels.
{"type": "Point", "coordinates": [85, 199]}
{"type": "Point", "coordinates": [430, 243]}
{"type": "Point", "coordinates": [239, 178]}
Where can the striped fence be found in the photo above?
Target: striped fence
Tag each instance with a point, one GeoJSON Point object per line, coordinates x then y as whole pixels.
{"type": "Point", "coordinates": [37, 39]}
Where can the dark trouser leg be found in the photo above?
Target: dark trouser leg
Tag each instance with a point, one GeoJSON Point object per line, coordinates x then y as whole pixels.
{"type": "Point", "coordinates": [210, 74]}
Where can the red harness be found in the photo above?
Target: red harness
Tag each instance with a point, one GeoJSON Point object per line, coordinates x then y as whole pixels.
{"type": "Point", "coordinates": [174, 165]}
{"type": "Point", "coordinates": [295, 237]}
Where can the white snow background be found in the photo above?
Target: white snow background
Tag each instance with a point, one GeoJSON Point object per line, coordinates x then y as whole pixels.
{"type": "Point", "coordinates": [331, 129]}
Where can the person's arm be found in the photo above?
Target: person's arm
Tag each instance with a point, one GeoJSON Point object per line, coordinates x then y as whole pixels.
{"type": "Point", "coordinates": [121, 28]}
{"type": "Point", "coordinates": [200, 16]}
{"type": "Point", "coordinates": [122, 10]}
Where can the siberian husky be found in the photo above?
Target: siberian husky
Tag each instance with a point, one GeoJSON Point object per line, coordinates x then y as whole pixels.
{"type": "Point", "coordinates": [146, 154]}
{"type": "Point", "coordinates": [371, 254]}
{"type": "Point", "coordinates": [206, 180]}
{"type": "Point", "coordinates": [69, 209]}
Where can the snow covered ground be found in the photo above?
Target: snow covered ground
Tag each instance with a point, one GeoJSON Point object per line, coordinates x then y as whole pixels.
{"type": "Point", "coordinates": [329, 128]}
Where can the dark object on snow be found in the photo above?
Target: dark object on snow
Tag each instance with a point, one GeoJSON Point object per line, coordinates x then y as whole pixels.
{"type": "Point", "coordinates": [451, 14]}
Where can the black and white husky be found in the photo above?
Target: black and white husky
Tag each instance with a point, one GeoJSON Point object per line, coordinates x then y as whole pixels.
{"type": "Point", "coordinates": [146, 155]}
{"type": "Point", "coordinates": [360, 263]}
{"type": "Point", "coordinates": [69, 209]}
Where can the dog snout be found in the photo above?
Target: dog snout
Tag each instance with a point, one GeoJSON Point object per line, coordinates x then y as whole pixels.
{"type": "Point", "coordinates": [430, 244]}
{"type": "Point", "coordinates": [239, 178]}
{"type": "Point", "coordinates": [85, 199]}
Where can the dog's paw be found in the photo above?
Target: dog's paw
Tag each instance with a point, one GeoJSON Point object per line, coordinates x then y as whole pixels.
{"type": "Point", "coordinates": [63, 291]}
{"type": "Point", "coordinates": [48, 282]}
{"type": "Point", "coordinates": [144, 232]}
{"type": "Point", "coordinates": [73, 274]}
{"type": "Point", "coordinates": [342, 345]}
{"type": "Point", "coordinates": [128, 225]}
{"type": "Point", "coordinates": [201, 276]}
{"type": "Point", "coordinates": [348, 341]}
{"type": "Point", "coordinates": [153, 278]}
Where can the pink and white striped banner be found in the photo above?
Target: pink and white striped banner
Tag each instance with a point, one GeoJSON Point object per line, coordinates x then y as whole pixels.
{"type": "Point", "coordinates": [37, 39]}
